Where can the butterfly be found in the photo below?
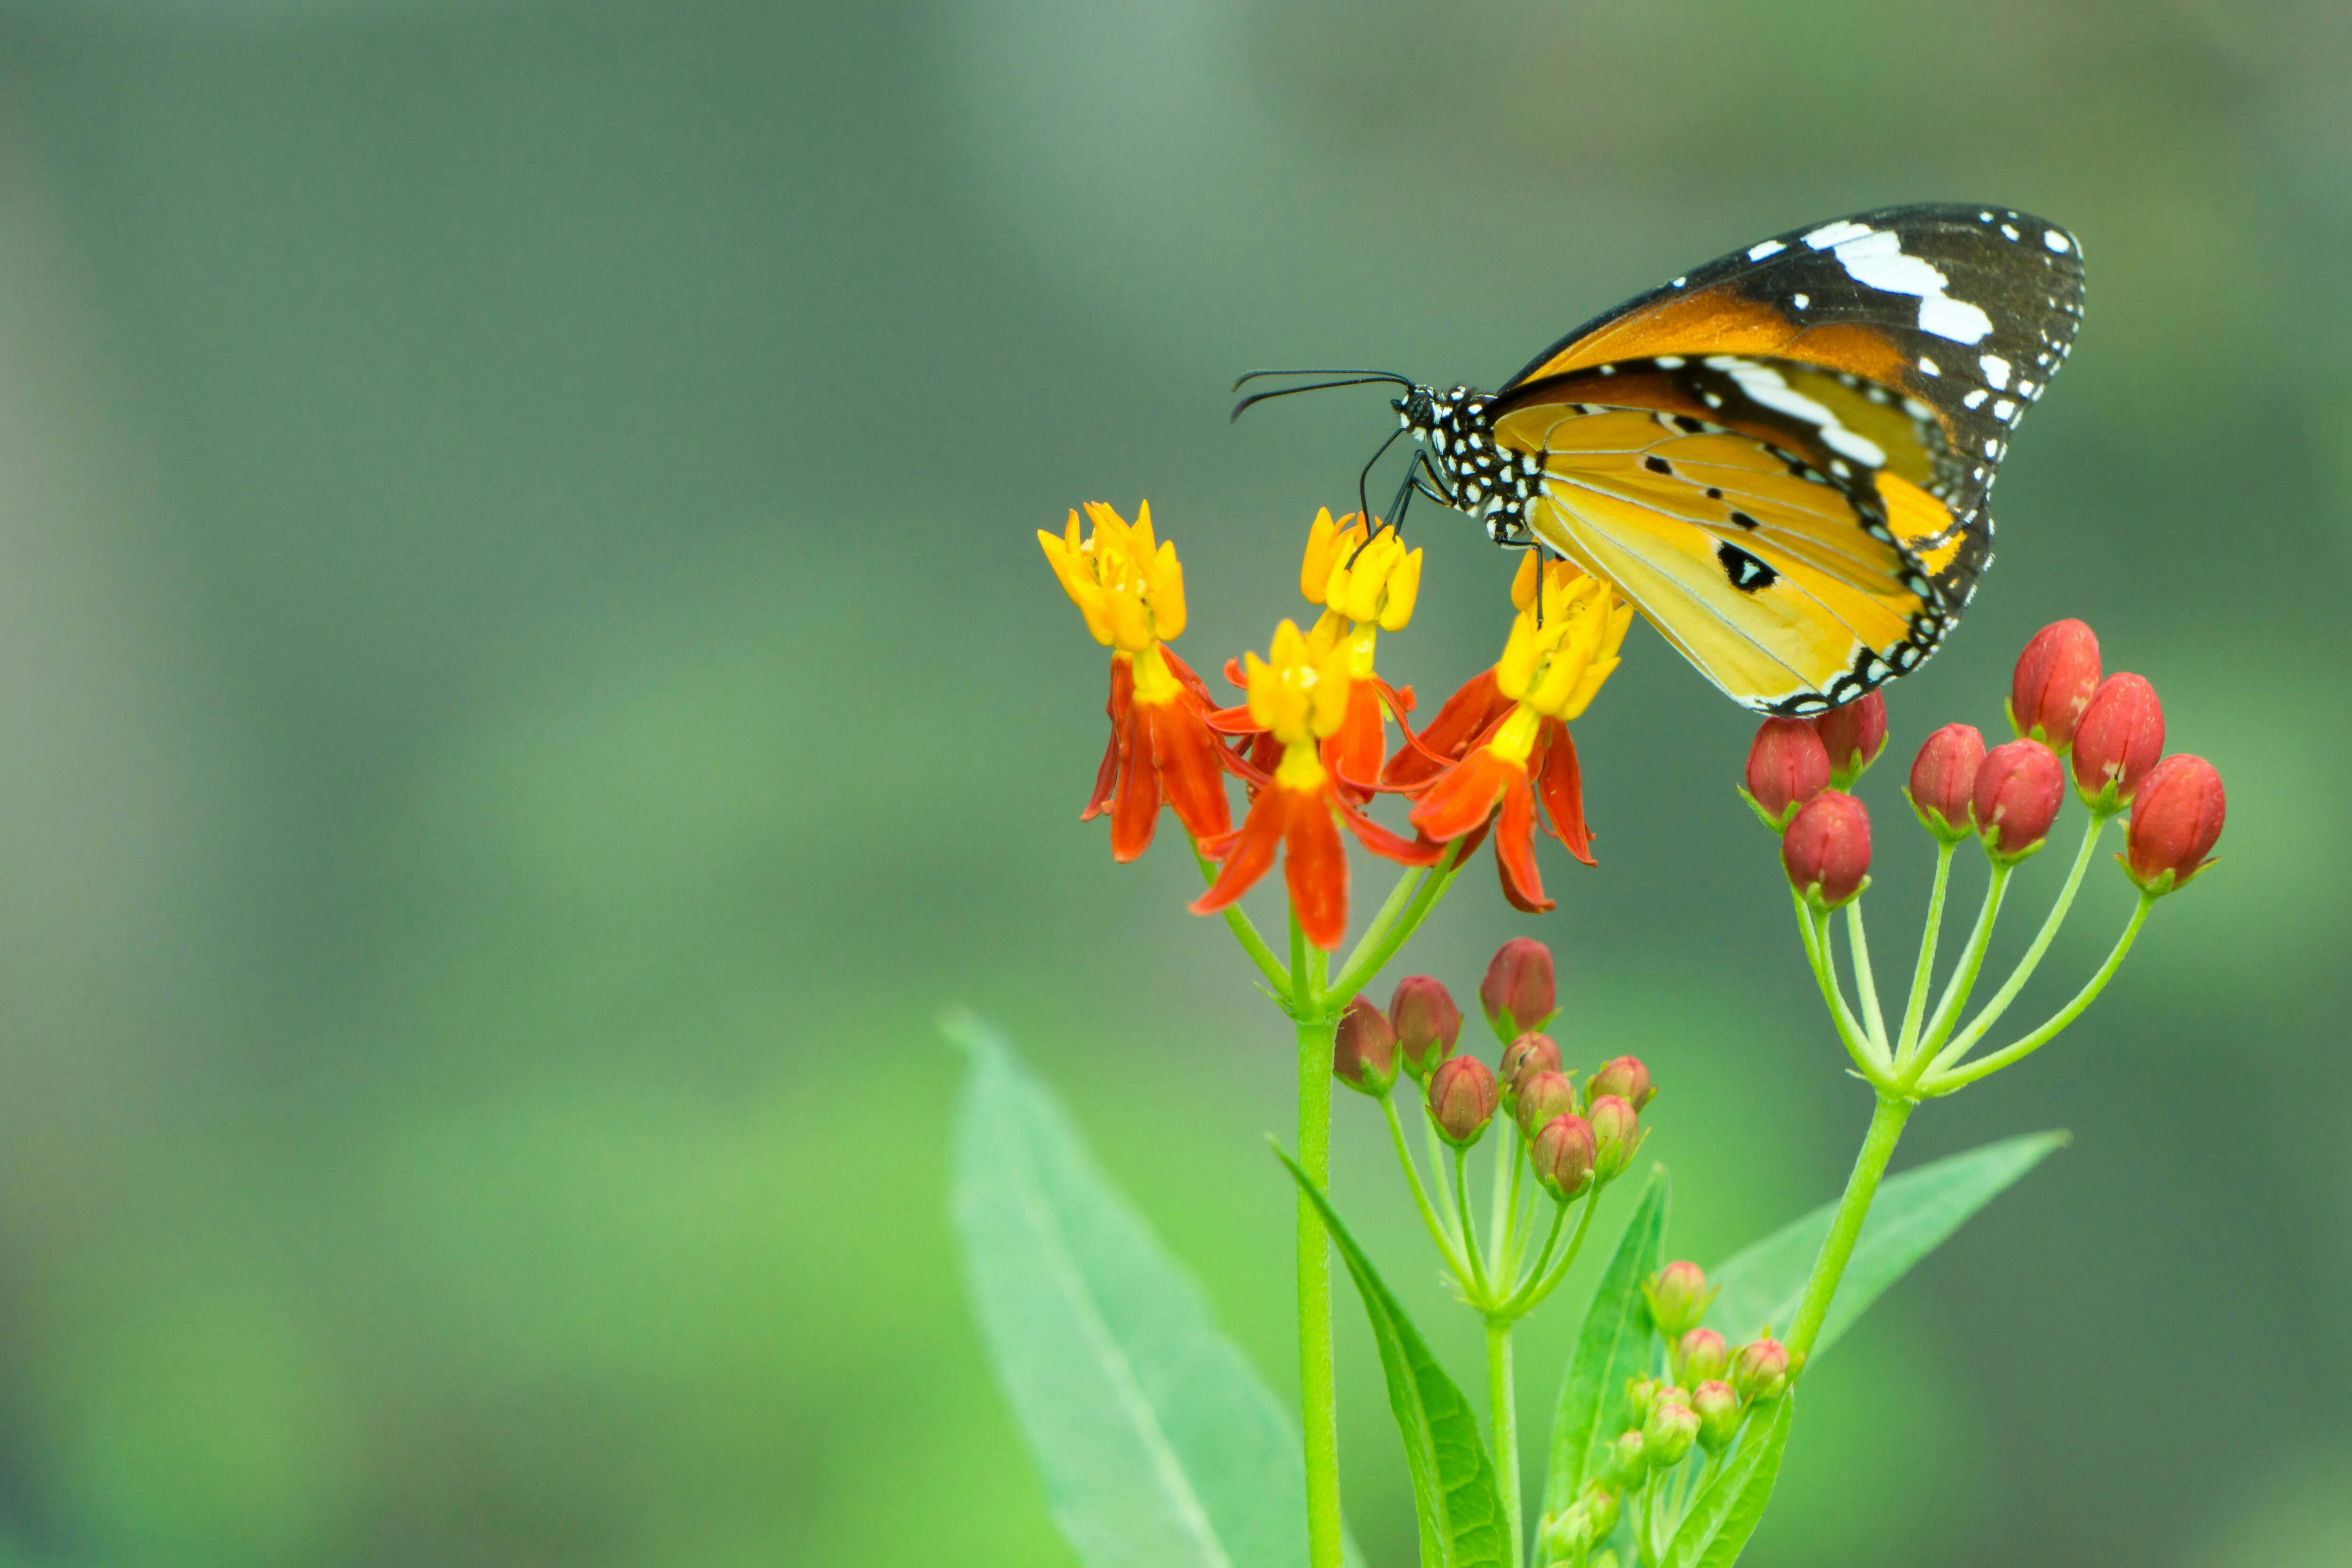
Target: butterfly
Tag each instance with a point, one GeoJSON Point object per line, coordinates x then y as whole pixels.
{"type": "Point", "coordinates": [1781, 458]}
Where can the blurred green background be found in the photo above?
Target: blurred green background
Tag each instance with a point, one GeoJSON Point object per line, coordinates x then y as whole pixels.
{"type": "Point", "coordinates": [527, 683]}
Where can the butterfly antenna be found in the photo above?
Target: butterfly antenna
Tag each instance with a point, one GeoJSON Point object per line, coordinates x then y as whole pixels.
{"type": "Point", "coordinates": [1351, 380]}
{"type": "Point", "coordinates": [1246, 377]}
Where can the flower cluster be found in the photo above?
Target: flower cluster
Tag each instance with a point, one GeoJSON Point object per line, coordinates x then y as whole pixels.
{"type": "Point", "coordinates": [1711, 1391]}
{"type": "Point", "coordinates": [2105, 734]}
{"type": "Point", "coordinates": [1309, 741]}
{"type": "Point", "coordinates": [1573, 1143]}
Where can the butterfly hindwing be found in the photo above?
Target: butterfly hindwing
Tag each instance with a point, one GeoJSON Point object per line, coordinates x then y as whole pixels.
{"type": "Point", "coordinates": [1786, 589]}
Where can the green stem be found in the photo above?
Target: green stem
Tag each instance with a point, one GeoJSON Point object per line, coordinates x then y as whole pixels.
{"type": "Point", "coordinates": [1551, 1239]}
{"type": "Point", "coordinates": [1972, 957]}
{"type": "Point", "coordinates": [1358, 971]}
{"type": "Point", "coordinates": [1945, 1083]}
{"type": "Point", "coordinates": [1500, 1212]}
{"type": "Point", "coordinates": [1318, 1389]}
{"type": "Point", "coordinates": [1814, 934]}
{"type": "Point", "coordinates": [1984, 1021]}
{"type": "Point", "coordinates": [1845, 1225]}
{"type": "Point", "coordinates": [1503, 1407]}
{"type": "Point", "coordinates": [1471, 1248]}
{"type": "Point", "coordinates": [1438, 1230]}
{"type": "Point", "coordinates": [1399, 898]}
{"type": "Point", "coordinates": [1645, 1521]}
{"type": "Point", "coordinates": [1866, 984]}
{"type": "Point", "coordinates": [1244, 931]}
{"type": "Point", "coordinates": [1517, 1248]}
{"type": "Point", "coordinates": [1925, 975]}
{"type": "Point", "coordinates": [1529, 1299]}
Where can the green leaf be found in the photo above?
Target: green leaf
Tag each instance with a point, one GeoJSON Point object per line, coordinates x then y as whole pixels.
{"type": "Point", "coordinates": [1159, 1446]}
{"type": "Point", "coordinates": [1914, 1213]}
{"type": "Point", "coordinates": [1614, 1344]}
{"type": "Point", "coordinates": [1454, 1486]}
{"type": "Point", "coordinates": [1725, 1515]}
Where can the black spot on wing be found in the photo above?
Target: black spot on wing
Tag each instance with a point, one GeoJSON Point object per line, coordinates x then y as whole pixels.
{"type": "Point", "coordinates": [1746, 572]}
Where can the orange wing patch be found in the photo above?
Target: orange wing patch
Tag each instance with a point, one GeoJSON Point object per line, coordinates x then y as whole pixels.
{"type": "Point", "coordinates": [1922, 522]}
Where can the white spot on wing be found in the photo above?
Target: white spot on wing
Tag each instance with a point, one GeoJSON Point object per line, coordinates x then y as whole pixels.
{"type": "Point", "coordinates": [1837, 233]}
{"type": "Point", "coordinates": [1800, 300]}
{"type": "Point", "coordinates": [2004, 411]}
{"type": "Point", "coordinates": [1929, 366]}
{"type": "Point", "coordinates": [1954, 319]}
{"type": "Point", "coordinates": [1764, 386]}
{"type": "Point", "coordinates": [1875, 259]}
{"type": "Point", "coordinates": [1671, 361]}
{"type": "Point", "coordinates": [2055, 241]}
{"type": "Point", "coordinates": [1975, 399]}
{"type": "Point", "coordinates": [1763, 248]}
{"type": "Point", "coordinates": [1996, 371]}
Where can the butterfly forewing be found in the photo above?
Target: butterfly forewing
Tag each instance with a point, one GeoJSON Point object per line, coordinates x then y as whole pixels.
{"type": "Point", "coordinates": [1967, 309]}
{"type": "Point", "coordinates": [1782, 457]}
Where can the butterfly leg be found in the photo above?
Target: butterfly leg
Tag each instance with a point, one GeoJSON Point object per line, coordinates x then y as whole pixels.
{"type": "Point", "coordinates": [1395, 519]}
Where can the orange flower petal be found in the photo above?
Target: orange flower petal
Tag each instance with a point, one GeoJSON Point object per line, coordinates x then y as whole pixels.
{"type": "Point", "coordinates": [1251, 854]}
{"type": "Point", "coordinates": [1463, 796]}
{"type": "Point", "coordinates": [1515, 852]}
{"type": "Point", "coordinates": [1192, 772]}
{"type": "Point", "coordinates": [1135, 810]}
{"type": "Point", "coordinates": [1355, 750]}
{"type": "Point", "coordinates": [1122, 693]}
{"type": "Point", "coordinates": [1465, 715]}
{"type": "Point", "coordinates": [1317, 870]}
{"type": "Point", "coordinates": [1422, 851]}
{"type": "Point", "coordinates": [1561, 783]}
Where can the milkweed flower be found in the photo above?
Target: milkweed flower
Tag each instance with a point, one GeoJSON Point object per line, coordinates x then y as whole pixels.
{"type": "Point", "coordinates": [1131, 589]}
{"type": "Point", "coordinates": [1506, 730]}
{"type": "Point", "coordinates": [1298, 696]}
{"type": "Point", "coordinates": [1366, 585]}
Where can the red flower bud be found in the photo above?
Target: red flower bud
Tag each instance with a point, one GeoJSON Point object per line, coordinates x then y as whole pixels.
{"type": "Point", "coordinates": [1364, 1050]}
{"type": "Point", "coordinates": [1827, 848]}
{"type": "Point", "coordinates": [1854, 735]}
{"type": "Point", "coordinates": [1462, 1099]}
{"type": "Point", "coordinates": [1678, 1296]}
{"type": "Point", "coordinates": [2052, 683]}
{"type": "Point", "coordinates": [1541, 1096]}
{"type": "Point", "coordinates": [1616, 1134]}
{"type": "Point", "coordinates": [1625, 1078]}
{"type": "Point", "coordinates": [1562, 1155]}
{"type": "Point", "coordinates": [1426, 1022]}
{"type": "Point", "coordinates": [1701, 1355]}
{"type": "Point", "coordinates": [1525, 1057]}
{"type": "Point", "coordinates": [1718, 1409]}
{"type": "Point", "coordinates": [1786, 766]}
{"type": "Point", "coordinates": [1944, 780]}
{"type": "Point", "coordinates": [2175, 819]}
{"type": "Point", "coordinates": [2119, 739]}
{"type": "Point", "coordinates": [1517, 993]}
{"type": "Point", "coordinates": [1762, 1370]}
{"type": "Point", "coordinates": [2019, 790]}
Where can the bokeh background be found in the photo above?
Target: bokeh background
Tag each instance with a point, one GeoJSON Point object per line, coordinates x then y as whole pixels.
{"type": "Point", "coordinates": [527, 683]}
